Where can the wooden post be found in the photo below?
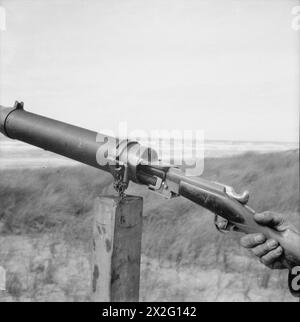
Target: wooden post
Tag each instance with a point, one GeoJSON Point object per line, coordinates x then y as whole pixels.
{"type": "Point", "coordinates": [116, 249]}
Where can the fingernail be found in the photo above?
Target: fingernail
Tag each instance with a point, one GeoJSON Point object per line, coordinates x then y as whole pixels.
{"type": "Point", "coordinates": [279, 251]}
{"type": "Point", "coordinates": [272, 243]}
{"type": "Point", "coordinates": [259, 238]}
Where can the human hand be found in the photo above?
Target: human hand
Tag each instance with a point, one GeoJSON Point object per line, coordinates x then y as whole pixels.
{"type": "Point", "coordinates": [269, 251]}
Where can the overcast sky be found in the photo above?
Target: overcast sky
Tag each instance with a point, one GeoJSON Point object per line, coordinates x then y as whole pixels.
{"type": "Point", "coordinates": [230, 68]}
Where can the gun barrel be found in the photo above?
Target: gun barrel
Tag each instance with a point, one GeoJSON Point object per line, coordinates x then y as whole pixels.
{"type": "Point", "coordinates": [97, 150]}
{"type": "Point", "coordinates": [67, 140]}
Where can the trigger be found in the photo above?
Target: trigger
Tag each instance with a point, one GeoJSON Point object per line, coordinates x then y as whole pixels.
{"type": "Point", "coordinates": [223, 225]}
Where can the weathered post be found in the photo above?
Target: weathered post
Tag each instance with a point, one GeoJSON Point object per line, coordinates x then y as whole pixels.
{"type": "Point", "coordinates": [116, 249]}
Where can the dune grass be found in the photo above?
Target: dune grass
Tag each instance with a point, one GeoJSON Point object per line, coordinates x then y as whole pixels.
{"type": "Point", "coordinates": [175, 232]}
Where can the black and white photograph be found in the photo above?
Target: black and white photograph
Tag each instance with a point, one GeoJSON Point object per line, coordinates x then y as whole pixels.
{"type": "Point", "coordinates": [149, 153]}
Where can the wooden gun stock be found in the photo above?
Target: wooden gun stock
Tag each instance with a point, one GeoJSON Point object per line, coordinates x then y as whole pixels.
{"type": "Point", "coordinates": [240, 217]}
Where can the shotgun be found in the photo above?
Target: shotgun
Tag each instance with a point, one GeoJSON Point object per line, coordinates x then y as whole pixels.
{"type": "Point", "coordinates": [129, 161]}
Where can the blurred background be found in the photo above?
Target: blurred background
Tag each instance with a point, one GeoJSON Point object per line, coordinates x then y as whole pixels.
{"type": "Point", "coordinates": [229, 68]}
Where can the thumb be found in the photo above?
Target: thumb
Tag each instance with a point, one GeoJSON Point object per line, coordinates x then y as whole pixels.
{"type": "Point", "coordinates": [269, 219]}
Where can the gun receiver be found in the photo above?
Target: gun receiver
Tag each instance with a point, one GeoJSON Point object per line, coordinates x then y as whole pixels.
{"type": "Point", "coordinates": [129, 161]}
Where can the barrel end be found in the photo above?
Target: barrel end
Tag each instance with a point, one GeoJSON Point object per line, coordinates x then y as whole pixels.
{"type": "Point", "coordinates": [5, 111]}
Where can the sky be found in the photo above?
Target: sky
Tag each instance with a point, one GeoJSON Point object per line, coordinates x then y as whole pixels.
{"type": "Point", "coordinates": [228, 68]}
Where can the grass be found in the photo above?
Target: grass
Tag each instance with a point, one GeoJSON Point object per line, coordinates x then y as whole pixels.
{"type": "Point", "coordinates": [178, 234]}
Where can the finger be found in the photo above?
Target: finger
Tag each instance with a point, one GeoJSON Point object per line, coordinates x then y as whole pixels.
{"type": "Point", "coordinates": [277, 265]}
{"type": "Point", "coordinates": [272, 256]}
{"type": "Point", "coordinates": [269, 219]}
{"type": "Point", "coordinates": [265, 248]}
{"type": "Point", "coordinates": [252, 240]}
